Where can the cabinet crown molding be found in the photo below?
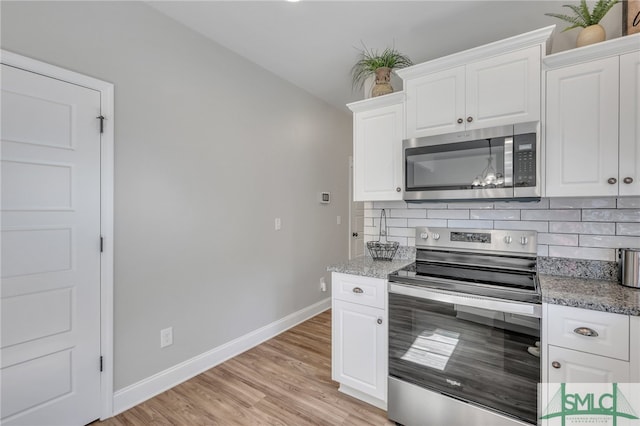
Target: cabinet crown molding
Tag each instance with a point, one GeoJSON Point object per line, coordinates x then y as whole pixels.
{"type": "Point", "coordinates": [521, 41]}
{"type": "Point", "coordinates": [379, 101]}
{"type": "Point", "coordinates": [614, 47]}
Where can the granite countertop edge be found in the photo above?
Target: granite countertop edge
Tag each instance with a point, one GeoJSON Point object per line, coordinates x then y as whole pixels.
{"type": "Point", "coordinates": [586, 293]}
{"type": "Point", "coordinates": [592, 294]}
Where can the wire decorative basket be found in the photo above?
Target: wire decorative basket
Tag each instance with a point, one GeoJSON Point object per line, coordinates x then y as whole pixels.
{"type": "Point", "coordinates": [380, 250]}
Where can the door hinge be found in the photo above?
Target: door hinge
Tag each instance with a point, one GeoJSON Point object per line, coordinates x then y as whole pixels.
{"type": "Point", "coordinates": [100, 363]}
{"type": "Point", "coordinates": [101, 118]}
{"type": "Point", "coordinates": [101, 243]}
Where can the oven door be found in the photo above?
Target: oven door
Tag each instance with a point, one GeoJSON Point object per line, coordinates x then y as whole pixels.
{"type": "Point", "coordinates": [471, 348]}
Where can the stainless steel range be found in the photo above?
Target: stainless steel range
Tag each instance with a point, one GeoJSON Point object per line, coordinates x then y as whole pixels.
{"type": "Point", "coordinates": [464, 330]}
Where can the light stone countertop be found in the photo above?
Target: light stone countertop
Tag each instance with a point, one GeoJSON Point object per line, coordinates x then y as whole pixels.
{"type": "Point", "coordinates": [367, 267]}
{"type": "Point", "coordinates": [597, 295]}
{"type": "Point", "coordinates": [586, 293]}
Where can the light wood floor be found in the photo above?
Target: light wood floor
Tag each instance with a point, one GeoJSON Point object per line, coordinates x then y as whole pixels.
{"type": "Point", "coordinates": [284, 381]}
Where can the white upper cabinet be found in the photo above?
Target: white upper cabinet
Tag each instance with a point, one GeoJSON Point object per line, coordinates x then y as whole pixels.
{"type": "Point", "coordinates": [592, 137]}
{"type": "Point", "coordinates": [503, 89]}
{"type": "Point", "coordinates": [630, 124]}
{"type": "Point", "coordinates": [492, 85]}
{"type": "Point", "coordinates": [378, 131]}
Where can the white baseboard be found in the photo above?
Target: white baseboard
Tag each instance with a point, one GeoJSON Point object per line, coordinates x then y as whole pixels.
{"type": "Point", "coordinates": [139, 392]}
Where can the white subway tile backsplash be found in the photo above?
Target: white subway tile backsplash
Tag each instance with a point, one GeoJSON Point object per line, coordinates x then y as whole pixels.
{"type": "Point", "coordinates": [519, 205]}
{"type": "Point", "coordinates": [580, 228]}
{"type": "Point", "coordinates": [468, 206]}
{"type": "Point", "coordinates": [607, 241]}
{"type": "Point", "coordinates": [390, 204]}
{"type": "Point", "coordinates": [610, 215]}
{"type": "Point", "coordinates": [408, 213]}
{"type": "Point", "coordinates": [402, 232]}
{"type": "Point", "coordinates": [429, 206]}
{"type": "Point", "coordinates": [495, 214]}
{"type": "Point", "coordinates": [558, 239]}
{"type": "Point", "coordinates": [479, 224]}
{"type": "Point", "coordinates": [414, 223]}
{"type": "Point", "coordinates": [565, 215]}
{"type": "Point", "coordinates": [522, 225]}
{"type": "Point", "coordinates": [582, 203]}
{"type": "Point", "coordinates": [543, 250]}
{"type": "Point", "coordinates": [582, 253]}
{"type": "Point", "coordinates": [628, 229]}
{"type": "Point", "coordinates": [629, 203]}
{"type": "Point", "coordinates": [601, 228]}
{"type": "Point", "coordinates": [448, 214]}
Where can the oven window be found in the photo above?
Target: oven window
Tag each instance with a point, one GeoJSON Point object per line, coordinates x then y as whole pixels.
{"type": "Point", "coordinates": [472, 354]}
{"type": "Point", "coordinates": [464, 165]}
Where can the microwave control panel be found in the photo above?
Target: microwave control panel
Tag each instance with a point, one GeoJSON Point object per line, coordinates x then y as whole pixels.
{"type": "Point", "coordinates": [524, 160]}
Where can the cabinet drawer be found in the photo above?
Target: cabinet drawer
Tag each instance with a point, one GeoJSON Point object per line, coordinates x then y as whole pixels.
{"type": "Point", "coordinates": [362, 290]}
{"type": "Point", "coordinates": [611, 337]}
{"type": "Point", "coordinates": [579, 367]}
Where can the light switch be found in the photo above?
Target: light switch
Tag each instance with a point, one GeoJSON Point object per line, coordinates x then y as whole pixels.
{"type": "Point", "coordinates": [278, 224]}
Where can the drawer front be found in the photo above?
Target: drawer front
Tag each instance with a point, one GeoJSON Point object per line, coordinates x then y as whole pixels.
{"type": "Point", "coordinates": [610, 331]}
{"type": "Point", "coordinates": [362, 290]}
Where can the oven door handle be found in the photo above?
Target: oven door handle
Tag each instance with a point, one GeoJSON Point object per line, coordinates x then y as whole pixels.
{"type": "Point", "coordinates": [507, 306]}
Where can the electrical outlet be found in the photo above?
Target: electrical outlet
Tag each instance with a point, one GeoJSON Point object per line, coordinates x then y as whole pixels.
{"type": "Point", "coordinates": [166, 337]}
{"type": "Point", "coordinates": [278, 224]}
{"type": "Point", "coordinates": [323, 284]}
{"type": "Point", "coordinates": [339, 220]}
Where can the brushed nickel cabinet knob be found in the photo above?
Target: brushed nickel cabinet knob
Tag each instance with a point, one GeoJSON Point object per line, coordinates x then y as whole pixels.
{"type": "Point", "coordinates": [379, 321]}
{"type": "Point", "coordinates": [460, 120]}
{"type": "Point", "coordinates": [628, 180]}
{"type": "Point", "coordinates": [469, 119]}
{"type": "Point", "coordinates": [612, 181]}
{"type": "Point", "coordinates": [398, 189]}
{"type": "Point", "coordinates": [556, 364]}
{"type": "Point", "coordinates": [357, 290]}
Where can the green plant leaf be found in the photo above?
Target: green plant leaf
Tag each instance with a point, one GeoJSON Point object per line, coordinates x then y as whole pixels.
{"type": "Point", "coordinates": [370, 60]}
{"type": "Point", "coordinates": [582, 16]}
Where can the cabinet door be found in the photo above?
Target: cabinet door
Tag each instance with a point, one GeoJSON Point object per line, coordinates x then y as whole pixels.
{"type": "Point", "coordinates": [377, 146]}
{"type": "Point", "coordinates": [582, 130]}
{"type": "Point", "coordinates": [435, 103]}
{"type": "Point", "coordinates": [504, 89]}
{"type": "Point", "coordinates": [580, 367]}
{"type": "Point", "coordinates": [360, 348]}
{"type": "Point", "coordinates": [630, 124]}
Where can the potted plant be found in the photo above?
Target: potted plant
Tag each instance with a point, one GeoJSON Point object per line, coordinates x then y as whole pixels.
{"type": "Point", "coordinates": [379, 64]}
{"type": "Point", "coordinates": [592, 31]}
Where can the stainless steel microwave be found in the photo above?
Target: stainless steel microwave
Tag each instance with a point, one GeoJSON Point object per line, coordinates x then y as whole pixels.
{"type": "Point", "coordinates": [498, 163]}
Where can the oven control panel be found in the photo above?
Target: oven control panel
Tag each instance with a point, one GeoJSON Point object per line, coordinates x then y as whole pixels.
{"type": "Point", "coordinates": [499, 240]}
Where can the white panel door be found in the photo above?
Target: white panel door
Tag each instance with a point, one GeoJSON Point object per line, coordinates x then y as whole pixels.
{"type": "Point", "coordinates": [504, 89]}
{"type": "Point", "coordinates": [378, 135]}
{"type": "Point", "coordinates": [582, 130]}
{"type": "Point", "coordinates": [50, 343]}
{"type": "Point", "coordinates": [436, 103]}
{"type": "Point", "coordinates": [360, 348]}
{"type": "Point", "coordinates": [581, 367]}
{"type": "Point", "coordinates": [630, 124]}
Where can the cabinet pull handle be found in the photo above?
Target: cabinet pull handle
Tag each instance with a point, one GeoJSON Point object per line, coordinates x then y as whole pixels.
{"type": "Point", "coordinates": [612, 181]}
{"type": "Point", "coordinates": [460, 120]}
{"type": "Point", "coordinates": [357, 290]}
{"type": "Point", "coordinates": [398, 189]}
{"type": "Point", "coordinates": [556, 364]}
{"type": "Point", "coordinates": [379, 321]}
{"type": "Point", "coordinates": [469, 119]}
{"type": "Point", "coordinates": [586, 331]}
{"type": "Point", "coordinates": [628, 180]}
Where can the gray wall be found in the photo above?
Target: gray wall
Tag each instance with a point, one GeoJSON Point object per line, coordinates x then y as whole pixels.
{"type": "Point", "coordinates": [209, 150]}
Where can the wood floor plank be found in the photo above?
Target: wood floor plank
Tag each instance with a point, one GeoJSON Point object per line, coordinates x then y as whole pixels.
{"type": "Point", "coordinates": [284, 381]}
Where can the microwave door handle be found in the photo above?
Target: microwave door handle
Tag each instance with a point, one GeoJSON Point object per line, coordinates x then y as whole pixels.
{"type": "Point", "coordinates": [527, 309]}
{"type": "Point", "coordinates": [508, 162]}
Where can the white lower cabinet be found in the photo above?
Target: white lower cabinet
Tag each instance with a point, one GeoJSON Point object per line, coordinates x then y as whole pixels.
{"type": "Point", "coordinates": [359, 337]}
{"type": "Point", "coordinates": [586, 346]}
{"type": "Point", "coordinates": [569, 366]}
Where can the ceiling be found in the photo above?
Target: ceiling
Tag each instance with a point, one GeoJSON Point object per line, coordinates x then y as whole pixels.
{"type": "Point", "coordinates": [313, 44]}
